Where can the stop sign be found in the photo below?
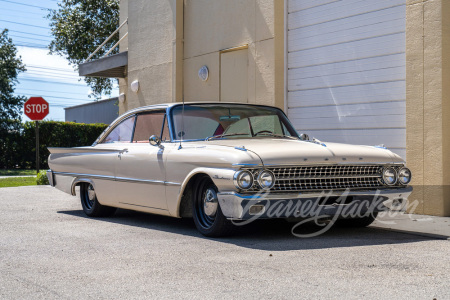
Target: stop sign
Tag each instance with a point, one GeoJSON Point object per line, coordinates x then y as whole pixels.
{"type": "Point", "coordinates": [36, 108]}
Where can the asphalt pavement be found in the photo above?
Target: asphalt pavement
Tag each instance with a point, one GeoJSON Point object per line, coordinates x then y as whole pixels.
{"type": "Point", "coordinates": [50, 250]}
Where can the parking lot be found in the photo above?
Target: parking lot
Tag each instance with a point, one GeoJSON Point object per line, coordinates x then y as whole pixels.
{"type": "Point", "coordinates": [50, 250]}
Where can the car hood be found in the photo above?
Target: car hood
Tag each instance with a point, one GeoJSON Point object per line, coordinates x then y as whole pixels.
{"type": "Point", "coordinates": [294, 152]}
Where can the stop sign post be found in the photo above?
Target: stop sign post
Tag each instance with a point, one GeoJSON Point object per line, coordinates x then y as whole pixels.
{"type": "Point", "coordinates": [36, 108]}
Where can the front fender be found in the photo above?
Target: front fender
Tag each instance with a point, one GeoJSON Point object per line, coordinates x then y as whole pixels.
{"type": "Point", "coordinates": [222, 178]}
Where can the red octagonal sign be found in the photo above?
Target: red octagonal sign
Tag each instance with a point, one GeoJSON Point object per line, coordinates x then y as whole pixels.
{"type": "Point", "coordinates": [36, 108]}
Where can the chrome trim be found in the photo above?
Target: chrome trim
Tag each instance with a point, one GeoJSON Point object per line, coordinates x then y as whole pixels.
{"type": "Point", "coordinates": [120, 179]}
{"type": "Point", "coordinates": [401, 190]}
{"type": "Point", "coordinates": [398, 175]}
{"type": "Point", "coordinates": [125, 179]}
{"type": "Point", "coordinates": [328, 177]}
{"type": "Point", "coordinates": [323, 177]}
{"type": "Point", "coordinates": [259, 180]}
{"type": "Point", "coordinates": [51, 179]}
{"type": "Point", "coordinates": [336, 164]}
{"type": "Point", "coordinates": [232, 204]}
{"type": "Point", "coordinates": [235, 179]}
{"type": "Point", "coordinates": [172, 183]}
{"type": "Point", "coordinates": [240, 148]}
{"type": "Point", "coordinates": [142, 206]}
{"type": "Point", "coordinates": [395, 176]}
{"type": "Point", "coordinates": [76, 181]}
{"type": "Point", "coordinates": [105, 177]}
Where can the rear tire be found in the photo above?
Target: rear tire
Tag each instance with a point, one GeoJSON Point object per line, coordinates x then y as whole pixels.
{"type": "Point", "coordinates": [357, 222]}
{"type": "Point", "coordinates": [90, 204]}
{"type": "Point", "coordinates": [208, 216]}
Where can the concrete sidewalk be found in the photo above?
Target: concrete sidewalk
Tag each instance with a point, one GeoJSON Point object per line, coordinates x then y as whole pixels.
{"type": "Point", "coordinates": [429, 226]}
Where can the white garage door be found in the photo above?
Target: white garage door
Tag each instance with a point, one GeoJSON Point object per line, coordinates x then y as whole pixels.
{"type": "Point", "coordinates": [346, 70]}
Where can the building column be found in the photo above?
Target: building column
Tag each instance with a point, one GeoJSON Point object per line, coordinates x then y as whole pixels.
{"type": "Point", "coordinates": [428, 104]}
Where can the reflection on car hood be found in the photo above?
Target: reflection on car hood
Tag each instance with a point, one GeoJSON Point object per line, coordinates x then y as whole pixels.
{"type": "Point", "coordinates": [295, 152]}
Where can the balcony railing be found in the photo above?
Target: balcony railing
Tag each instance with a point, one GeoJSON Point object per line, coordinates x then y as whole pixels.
{"type": "Point", "coordinates": [110, 66]}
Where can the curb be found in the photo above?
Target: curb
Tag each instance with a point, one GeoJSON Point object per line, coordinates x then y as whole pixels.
{"type": "Point", "coordinates": [424, 234]}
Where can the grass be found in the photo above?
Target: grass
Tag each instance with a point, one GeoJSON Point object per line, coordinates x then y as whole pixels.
{"type": "Point", "coordinates": [16, 172]}
{"type": "Point", "coordinates": [17, 181]}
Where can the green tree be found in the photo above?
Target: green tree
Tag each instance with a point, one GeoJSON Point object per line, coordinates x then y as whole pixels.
{"type": "Point", "coordinates": [78, 28]}
{"type": "Point", "coordinates": [10, 67]}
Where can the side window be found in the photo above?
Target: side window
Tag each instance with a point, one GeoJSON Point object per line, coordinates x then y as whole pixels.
{"type": "Point", "coordinates": [148, 125]}
{"type": "Point", "coordinates": [121, 133]}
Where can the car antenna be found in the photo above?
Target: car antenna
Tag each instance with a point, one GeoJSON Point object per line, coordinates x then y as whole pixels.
{"type": "Point", "coordinates": [182, 126]}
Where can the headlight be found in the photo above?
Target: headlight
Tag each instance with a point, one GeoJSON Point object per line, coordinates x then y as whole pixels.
{"type": "Point", "coordinates": [404, 175]}
{"type": "Point", "coordinates": [266, 180]}
{"type": "Point", "coordinates": [389, 176]}
{"type": "Point", "coordinates": [243, 180]}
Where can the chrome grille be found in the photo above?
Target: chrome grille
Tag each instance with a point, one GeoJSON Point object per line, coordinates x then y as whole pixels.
{"type": "Point", "coordinates": [313, 178]}
{"type": "Point", "coordinates": [325, 171]}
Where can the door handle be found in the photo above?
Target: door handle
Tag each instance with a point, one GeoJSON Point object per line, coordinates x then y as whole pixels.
{"type": "Point", "coordinates": [122, 152]}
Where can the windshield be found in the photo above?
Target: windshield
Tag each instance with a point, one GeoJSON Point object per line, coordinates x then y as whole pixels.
{"type": "Point", "coordinates": [229, 121]}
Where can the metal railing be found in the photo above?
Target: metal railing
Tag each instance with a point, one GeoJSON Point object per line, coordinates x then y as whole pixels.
{"type": "Point", "coordinates": [109, 37]}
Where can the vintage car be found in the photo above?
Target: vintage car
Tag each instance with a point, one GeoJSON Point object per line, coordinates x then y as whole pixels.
{"type": "Point", "coordinates": [221, 163]}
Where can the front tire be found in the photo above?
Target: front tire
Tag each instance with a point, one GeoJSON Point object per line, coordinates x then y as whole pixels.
{"type": "Point", "coordinates": [208, 216]}
{"type": "Point", "coordinates": [90, 204]}
{"type": "Point", "coordinates": [357, 222]}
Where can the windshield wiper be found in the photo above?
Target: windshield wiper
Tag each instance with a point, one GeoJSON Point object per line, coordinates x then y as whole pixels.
{"type": "Point", "coordinates": [224, 135]}
{"type": "Point", "coordinates": [276, 135]}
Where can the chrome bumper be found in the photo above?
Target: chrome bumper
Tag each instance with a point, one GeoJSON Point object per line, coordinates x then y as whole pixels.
{"type": "Point", "coordinates": [305, 205]}
{"type": "Point", "coordinates": [50, 177]}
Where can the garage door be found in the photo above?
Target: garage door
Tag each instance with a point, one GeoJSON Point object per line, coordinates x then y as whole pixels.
{"type": "Point", "coordinates": [346, 70]}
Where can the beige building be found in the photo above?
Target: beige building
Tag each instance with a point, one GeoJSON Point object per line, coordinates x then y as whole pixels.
{"type": "Point", "coordinates": [360, 72]}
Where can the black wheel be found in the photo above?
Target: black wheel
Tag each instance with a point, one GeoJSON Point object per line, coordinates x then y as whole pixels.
{"type": "Point", "coordinates": [90, 204]}
{"type": "Point", "coordinates": [357, 222]}
{"type": "Point", "coordinates": [208, 216]}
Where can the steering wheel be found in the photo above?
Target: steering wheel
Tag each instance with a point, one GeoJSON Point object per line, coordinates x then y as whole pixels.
{"type": "Point", "coordinates": [264, 131]}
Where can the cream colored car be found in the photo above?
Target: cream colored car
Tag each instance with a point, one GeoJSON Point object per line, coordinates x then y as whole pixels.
{"type": "Point", "coordinates": [223, 162]}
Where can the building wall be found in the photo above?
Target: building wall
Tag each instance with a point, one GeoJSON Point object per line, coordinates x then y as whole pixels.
{"type": "Point", "coordinates": [169, 40]}
{"type": "Point", "coordinates": [213, 28]}
{"type": "Point", "coordinates": [103, 111]}
{"type": "Point", "coordinates": [428, 104]}
{"type": "Point", "coordinates": [151, 35]}
{"type": "Point", "coordinates": [123, 46]}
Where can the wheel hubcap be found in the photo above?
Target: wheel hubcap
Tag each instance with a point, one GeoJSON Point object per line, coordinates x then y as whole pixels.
{"type": "Point", "coordinates": [91, 193]}
{"type": "Point", "coordinates": [88, 197]}
{"type": "Point", "coordinates": [210, 202]}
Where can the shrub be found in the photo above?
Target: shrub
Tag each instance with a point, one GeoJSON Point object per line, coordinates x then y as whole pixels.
{"type": "Point", "coordinates": [42, 178]}
{"type": "Point", "coordinates": [18, 147]}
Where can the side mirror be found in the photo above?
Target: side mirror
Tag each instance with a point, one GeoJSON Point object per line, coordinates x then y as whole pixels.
{"type": "Point", "coordinates": [155, 141]}
{"type": "Point", "coordinates": [304, 137]}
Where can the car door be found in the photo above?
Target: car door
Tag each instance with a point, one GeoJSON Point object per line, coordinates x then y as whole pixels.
{"type": "Point", "coordinates": [140, 170]}
{"type": "Point", "coordinates": [102, 162]}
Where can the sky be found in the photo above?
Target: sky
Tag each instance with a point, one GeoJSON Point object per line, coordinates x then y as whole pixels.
{"type": "Point", "coordinates": [48, 76]}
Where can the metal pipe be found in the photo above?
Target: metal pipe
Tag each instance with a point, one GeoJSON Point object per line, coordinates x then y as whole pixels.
{"type": "Point", "coordinates": [109, 37]}
{"type": "Point", "coordinates": [115, 45]}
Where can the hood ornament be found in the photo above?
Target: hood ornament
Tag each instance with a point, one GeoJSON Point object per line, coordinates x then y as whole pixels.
{"type": "Point", "coordinates": [316, 141]}
{"type": "Point", "coordinates": [304, 137]}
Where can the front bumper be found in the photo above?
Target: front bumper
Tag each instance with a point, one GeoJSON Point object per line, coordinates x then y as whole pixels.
{"type": "Point", "coordinates": [306, 205]}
